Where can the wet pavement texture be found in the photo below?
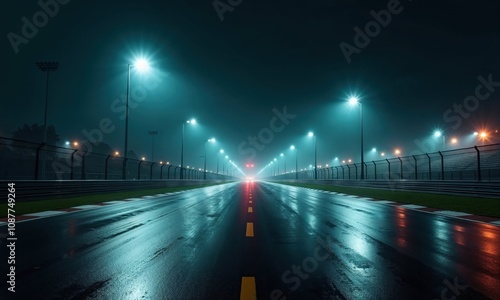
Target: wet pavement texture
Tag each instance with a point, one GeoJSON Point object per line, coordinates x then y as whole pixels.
{"type": "Point", "coordinates": [301, 244]}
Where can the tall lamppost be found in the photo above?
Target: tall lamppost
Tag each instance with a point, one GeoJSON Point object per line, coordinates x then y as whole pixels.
{"type": "Point", "coordinates": [153, 133]}
{"type": "Point", "coordinates": [192, 122]}
{"type": "Point", "coordinates": [221, 151]}
{"type": "Point", "coordinates": [284, 162]}
{"type": "Point", "coordinates": [46, 67]}
{"type": "Point", "coordinates": [292, 147]}
{"type": "Point", "coordinates": [142, 65]}
{"type": "Point", "coordinates": [355, 101]}
{"type": "Point", "coordinates": [224, 164]}
{"type": "Point", "coordinates": [311, 134]}
{"type": "Point", "coordinates": [212, 140]}
{"type": "Point", "coordinates": [439, 134]}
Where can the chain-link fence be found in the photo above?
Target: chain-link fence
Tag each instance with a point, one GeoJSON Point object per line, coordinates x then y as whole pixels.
{"type": "Point", "coordinates": [473, 163]}
{"type": "Point", "coordinates": [21, 160]}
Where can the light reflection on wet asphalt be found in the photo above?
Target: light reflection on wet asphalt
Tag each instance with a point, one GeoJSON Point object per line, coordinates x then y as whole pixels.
{"type": "Point", "coordinates": [305, 244]}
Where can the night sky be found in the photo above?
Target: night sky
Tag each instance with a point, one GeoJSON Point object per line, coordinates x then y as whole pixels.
{"type": "Point", "coordinates": [264, 55]}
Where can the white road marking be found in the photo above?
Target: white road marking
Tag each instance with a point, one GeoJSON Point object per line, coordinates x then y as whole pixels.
{"type": "Point", "coordinates": [452, 213]}
{"type": "Point", "coordinates": [45, 213]}
{"type": "Point", "coordinates": [412, 206]}
{"type": "Point", "coordinates": [89, 206]}
{"type": "Point", "coordinates": [383, 201]}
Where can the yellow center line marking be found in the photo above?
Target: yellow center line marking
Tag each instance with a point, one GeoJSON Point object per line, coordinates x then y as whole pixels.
{"type": "Point", "coordinates": [248, 291]}
{"type": "Point", "coordinates": [249, 232]}
{"type": "Point", "coordinates": [250, 210]}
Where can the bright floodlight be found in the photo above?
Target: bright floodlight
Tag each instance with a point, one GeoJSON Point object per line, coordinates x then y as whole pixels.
{"type": "Point", "coordinates": [192, 121]}
{"type": "Point", "coordinates": [292, 147]}
{"type": "Point", "coordinates": [353, 100]}
{"type": "Point", "coordinates": [227, 157]}
{"type": "Point", "coordinates": [454, 140]}
{"type": "Point", "coordinates": [475, 133]}
{"type": "Point", "coordinates": [212, 140]}
{"type": "Point", "coordinates": [281, 154]}
{"type": "Point", "coordinates": [483, 135]}
{"type": "Point", "coordinates": [437, 133]}
{"type": "Point", "coordinates": [397, 151]}
{"type": "Point", "coordinates": [374, 149]}
{"type": "Point", "coordinates": [275, 159]}
{"type": "Point", "coordinates": [141, 64]}
{"type": "Point", "coordinates": [67, 143]}
{"type": "Point", "coordinates": [310, 134]}
{"type": "Point", "coordinates": [221, 151]}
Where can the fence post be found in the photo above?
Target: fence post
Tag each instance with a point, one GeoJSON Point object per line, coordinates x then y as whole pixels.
{"type": "Point", "coordinates": [430, 172]}
{"type": "Point", "coordinates": [175, 171]}
{"type": "Point", "coordinates": [168, 172]}
{"type": "Point", "coordinates": [389, 167]}
{"type": "Point", "coordinates": [356, 171]}
{"type": "Point", "coordinates": [375, 169]}
{"type": "Point", "coordinates": [106, 168]}
{"type": "Point", "coordinates": [83, 166]}
{"type": "Point", "coordinates": [442, 165]}
{"type": "Point", "coordinates": [343, 173]}
{"type": "Point", "coordinates": [72, 163]}
{"type": "Point", "coordinates": [401, 168]}
{"type": "Point", "coordinates": [124, 168]}
{"type": "Point", "coordinates": [139, 170]}
{"type": "Point", "coordinates": [478, 163]}
{"type": "Point", "coordinates": [415, 159]}
{"type": "Point", "coordinates": [161, 171]}
{"type": "Point", "coordinates": [37, 160]}
{"type": "Point", "coordinates": [151, 171]}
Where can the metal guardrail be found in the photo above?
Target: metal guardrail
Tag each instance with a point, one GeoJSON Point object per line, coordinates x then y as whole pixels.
{"type": "Point", "coordinates": [484, 189]}
{"type": "Point", "coordinates": [23, 160]}
{"type": "Point", "coordinates": [31, 190]}
{"type": "Point", "coordinates": [473, 163]}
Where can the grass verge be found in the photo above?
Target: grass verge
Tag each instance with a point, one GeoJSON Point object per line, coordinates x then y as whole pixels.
{"type": "Point", "coordinates": [478, 206]}
{"type": "Point", "coordinates": [22, 208]}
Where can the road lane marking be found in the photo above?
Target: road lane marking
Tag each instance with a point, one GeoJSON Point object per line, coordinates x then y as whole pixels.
{"type": "Point", "coordinates": [249, 232]}
{"type": "Point", "coordinates": [383, 201]}
{"type": "Point", "coordinates": [250, 210]}
{"type": "Point", "coordinates": [115, 202]}
{"type": "Point", "coordinates": [88, 206]}
{"type": "Point", "coordinates": [451, 213]}
{"type": "Point", "coordinates": [45, 213]}
{"type": "Point", "coordinates": [413, 206]}
{"type": "Point", "coordinates": [248, 291]}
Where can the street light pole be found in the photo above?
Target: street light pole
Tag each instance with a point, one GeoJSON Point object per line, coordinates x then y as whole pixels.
{"type": "Point", "coordinates": [182, 154]}
{"type": "Point", "coordinates": [296, 161]}
{"type": "Point", "coordinates": [362, 154]}
{"type": "Point", "coordinates": [125, 154]}
{"type": "Point", "coordinates": [315, 157]}
{"type": "Point", "coordinates": [46, 67]}
{"type": "Point", "coordinates": [221, 151]}
{"type": "Point", "coordinates": [205, 163]}
{"type": "Point", "coordinates": [153, 133]}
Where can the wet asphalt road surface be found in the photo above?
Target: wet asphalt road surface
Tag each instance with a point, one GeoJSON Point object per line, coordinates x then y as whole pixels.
{"type": "Point", "coordinates": [254, 239]}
